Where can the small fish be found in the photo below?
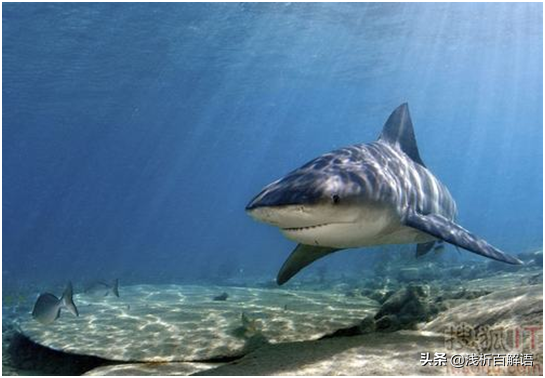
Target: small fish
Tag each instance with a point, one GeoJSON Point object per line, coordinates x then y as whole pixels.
{"type": "Point", "coordinates": [48, 307]}
{"type": "Point", "coordinates": [222, 297]}
{"type": "Point", "coordinates": [103, 289]}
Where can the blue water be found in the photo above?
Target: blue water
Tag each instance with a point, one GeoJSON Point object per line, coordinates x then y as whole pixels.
{"type": "Point", "coordinates": [135, 134]}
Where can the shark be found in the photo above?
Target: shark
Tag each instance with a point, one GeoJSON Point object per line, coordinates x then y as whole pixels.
{"type": "Point", "coordinates": [365, 195]}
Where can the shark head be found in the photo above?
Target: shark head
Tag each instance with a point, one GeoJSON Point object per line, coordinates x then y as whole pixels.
{"type": "Point", "coordinates": [350, 197]}
{"type": "Point", "coordinates": [326, 202]}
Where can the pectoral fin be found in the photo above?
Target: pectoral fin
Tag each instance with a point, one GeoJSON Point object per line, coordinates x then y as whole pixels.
{"type": "Point", "coordinates": [423, 248]}
{"type": "Point", "coordinates": [301, 256]}
{"type": "Point", "coordinates": [444, 229]}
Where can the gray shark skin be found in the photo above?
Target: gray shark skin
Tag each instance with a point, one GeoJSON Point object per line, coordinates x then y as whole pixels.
{"type": "Point", "coordinates": [365, 195]}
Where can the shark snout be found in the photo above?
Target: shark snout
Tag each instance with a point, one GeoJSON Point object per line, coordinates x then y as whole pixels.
{"type": "Point", "coordinates": [273, 207]}
{"type": "Point", "coordinates": [258, 202]}
{"type": "Point", "coordinates": [277, 195]}
{"type": "Point", "coordinates": [283, 206]}
{"type": "Point", "coordinates": [287, 216]}
{"type": "Point", "coordinates": [302, 199]}
{"type": "Point", "coordinates": [288, 209]}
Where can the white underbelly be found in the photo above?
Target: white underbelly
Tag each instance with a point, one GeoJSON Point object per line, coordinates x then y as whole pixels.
{"type": "Point", "coordinates": [406, 235]}
{"type": "Point", "coordinates": [377, 227]}
{"type": "Point", "coordinates": [351, 236]}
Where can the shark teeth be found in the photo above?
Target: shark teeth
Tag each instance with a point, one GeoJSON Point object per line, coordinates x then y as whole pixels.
{"type": "Point", "coordinates": [304, 228]}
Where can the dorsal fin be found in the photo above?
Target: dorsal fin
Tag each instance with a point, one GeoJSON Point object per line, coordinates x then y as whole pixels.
{"type": "Point", "coordinates": [398, 131]}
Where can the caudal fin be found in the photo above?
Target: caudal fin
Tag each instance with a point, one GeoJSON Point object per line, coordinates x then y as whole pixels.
{"type": "Point", "coordinates": [115, 288]}
{"type": "Point", "coordinates": [424, 248]}
{"type": "Point", "coordinates": [67, 300]}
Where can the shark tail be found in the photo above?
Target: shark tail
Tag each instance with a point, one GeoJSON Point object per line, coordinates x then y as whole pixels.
{"type": "Point", "coordinates": [423, 248]}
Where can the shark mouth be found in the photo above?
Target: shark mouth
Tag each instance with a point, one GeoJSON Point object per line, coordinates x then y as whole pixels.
{"type": "Point", "coordinates": [306, 228]}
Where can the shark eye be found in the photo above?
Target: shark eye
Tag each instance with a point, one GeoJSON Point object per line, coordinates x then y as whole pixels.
{"type": "Point", "coordinates": [335, 198]}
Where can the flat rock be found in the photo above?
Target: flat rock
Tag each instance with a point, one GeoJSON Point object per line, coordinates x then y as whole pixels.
{"type": "Point", "coordinates": [372, 354]}
{"type": "Point", "coordinates": [183, 323]}
{"type": "Point", "coordinates": [399, 353]}
{"type": "Point", "coordinates": [152, 368]}
{"type": "Point", "coordinates": [521, 306]}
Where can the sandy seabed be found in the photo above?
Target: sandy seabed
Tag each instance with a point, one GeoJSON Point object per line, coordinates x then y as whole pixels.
{"type": "Point", "coordinates": [181, 330]}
